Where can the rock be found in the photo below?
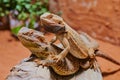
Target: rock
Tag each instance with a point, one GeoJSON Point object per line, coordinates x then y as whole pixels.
{"type": "Point", "coordinates": [30, 71]}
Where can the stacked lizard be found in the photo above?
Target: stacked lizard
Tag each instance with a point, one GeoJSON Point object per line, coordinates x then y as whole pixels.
{"type": "Point", "coordinates": [81, 46]}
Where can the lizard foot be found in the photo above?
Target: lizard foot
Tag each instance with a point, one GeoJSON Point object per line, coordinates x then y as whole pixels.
{"type": "Point", "coordinates": [42, 63]}
{"type": "Point", "coordinates": [94, 64]}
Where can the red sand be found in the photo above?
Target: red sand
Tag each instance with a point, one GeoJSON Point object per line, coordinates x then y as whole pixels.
{"type": "Point", "coordinates": [12, 52]}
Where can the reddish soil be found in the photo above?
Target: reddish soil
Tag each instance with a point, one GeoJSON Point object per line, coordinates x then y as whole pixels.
{"type": "Point", "coordinates": [12, 52]}
{"type": "Point", "coordinates": [99, 18]}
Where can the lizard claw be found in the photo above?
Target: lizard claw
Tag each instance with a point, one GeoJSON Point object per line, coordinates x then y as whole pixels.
{"type": "Point", "coordinates": [41, 62]}
{"type": "Point", "coordinates": [57, 58]}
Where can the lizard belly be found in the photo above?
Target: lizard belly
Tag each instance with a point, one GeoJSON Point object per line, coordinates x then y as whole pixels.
{"type": "Point", "coordinates": [77, 47]}
{"type": "Point", "coordinates": [68, 66]}
{"type": "Point", "coordinates": [76, 51]}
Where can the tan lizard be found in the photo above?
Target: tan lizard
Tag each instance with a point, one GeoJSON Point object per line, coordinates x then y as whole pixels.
{"type": "Point", "coordinates": [81, 45]}
{"type": "Point", "coordinates": [76, 44]}
{"type": "Point", "coordinates": [36, 43]}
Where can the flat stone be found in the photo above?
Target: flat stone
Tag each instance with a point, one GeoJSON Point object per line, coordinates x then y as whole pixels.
{"type": "Point", "coordinates": [30, 71]}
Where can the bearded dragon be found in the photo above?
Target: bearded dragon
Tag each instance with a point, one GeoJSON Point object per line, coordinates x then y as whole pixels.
{"type": "Point", "coordinates": [81, 46]}
{"type": "Point", "coordinates": [36, 43]}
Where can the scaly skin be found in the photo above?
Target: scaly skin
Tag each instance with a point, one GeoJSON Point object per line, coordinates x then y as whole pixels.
{"type": "Point", "coordinates": [36, 43]}
{"type": "Point", "coordinates": [81, 45]}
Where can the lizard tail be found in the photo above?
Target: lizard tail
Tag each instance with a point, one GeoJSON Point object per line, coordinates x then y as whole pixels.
{"type": "Point", "coordinates": [101, 54]}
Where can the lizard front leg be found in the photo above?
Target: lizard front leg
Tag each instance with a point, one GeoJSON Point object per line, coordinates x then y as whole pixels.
{"type": "Point", "coordinates": [64, 52]}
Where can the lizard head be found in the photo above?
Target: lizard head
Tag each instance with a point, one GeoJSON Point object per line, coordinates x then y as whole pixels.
{"type": "Point", "coordinates": [52, 23]}
{"type": "Point", "coordinates": [32, 39]}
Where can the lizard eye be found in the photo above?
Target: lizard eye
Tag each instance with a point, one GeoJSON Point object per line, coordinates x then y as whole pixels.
{"type": "Point", "coordinates": [46, 48]}
{"type": "Point", "coordinates": [59, 22]}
